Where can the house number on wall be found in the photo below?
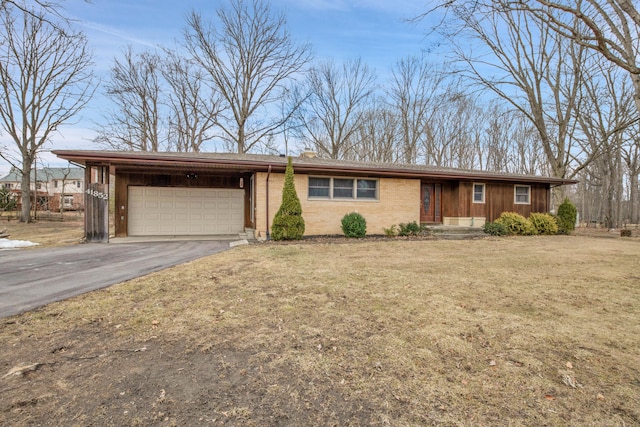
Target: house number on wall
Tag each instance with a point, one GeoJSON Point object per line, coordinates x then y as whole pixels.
{"type": "Point", "coordinates": [97, 194]}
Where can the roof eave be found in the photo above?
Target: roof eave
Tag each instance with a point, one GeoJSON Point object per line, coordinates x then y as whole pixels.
{"type": "Point", "coordinates": [279, 163]}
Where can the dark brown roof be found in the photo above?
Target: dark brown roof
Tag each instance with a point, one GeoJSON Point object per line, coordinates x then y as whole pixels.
{"type": "Point", "coordinates": [260, 162]}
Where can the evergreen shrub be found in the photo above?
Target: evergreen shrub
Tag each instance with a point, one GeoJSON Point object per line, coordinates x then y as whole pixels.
{"type": "Point", "coordinates": [288, 223]}
{"type": "Point", "coordinates": [354, 225]}
{"type": "Point", "coordinates": [566, 218]}
{"type": "Point", "coordinates": [516, 224]}
{"type": "Point", "coordinates": [495, 229]}
{"type": "Point", "coordinates": [544, 223]}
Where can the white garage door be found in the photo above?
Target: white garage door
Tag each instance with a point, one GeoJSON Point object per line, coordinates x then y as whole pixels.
{"type": "Point", "coordinates": [169, 211]}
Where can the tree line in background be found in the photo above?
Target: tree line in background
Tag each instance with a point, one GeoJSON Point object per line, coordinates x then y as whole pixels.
{"type": "Point", "coordinates": [539, 87]}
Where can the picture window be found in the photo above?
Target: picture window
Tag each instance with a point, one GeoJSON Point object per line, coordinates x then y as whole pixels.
{"type": "Point", "coordinates": [343, 188]}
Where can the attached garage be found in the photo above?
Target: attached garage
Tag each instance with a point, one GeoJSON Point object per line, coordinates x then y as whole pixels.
{"type": "Point", "coordinates": [180, 211]}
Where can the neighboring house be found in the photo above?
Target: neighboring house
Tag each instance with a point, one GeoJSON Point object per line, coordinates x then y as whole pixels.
{"type": "Point", "coordinates": [53, 186]}
{"type": "Point", "coordinates": [181, 194]}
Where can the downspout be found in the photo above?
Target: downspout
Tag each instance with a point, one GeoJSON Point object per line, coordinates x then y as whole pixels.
{"type": "Point", "coordinates": [268, 174]}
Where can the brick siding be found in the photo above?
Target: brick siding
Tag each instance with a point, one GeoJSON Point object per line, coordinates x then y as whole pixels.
{"type": "Point", "coordinates": [398, 201]}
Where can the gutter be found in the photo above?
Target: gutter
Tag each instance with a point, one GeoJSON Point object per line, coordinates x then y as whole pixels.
{"type": "Point", "coordinates": [268, 175]}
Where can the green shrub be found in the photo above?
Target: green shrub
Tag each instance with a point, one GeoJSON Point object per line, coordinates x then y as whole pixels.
{"type": "Point", "coordinates": [391, 231]}
{"type": "Point", "coordinates": [516, 224]}
{"type": "Point", "coordinates": [354, 225]}
{"type": "Point", "coordinates": [7, 201]}
{"type": "Point", "coordinates": [567, 215]}
{"type": "Point", "coordinates": [410, 229]}
{"type": "Point", "coordinates": [544, 223]}
{"type": "Point", "coordinates": [288, 223]}
{"type": "Point", "coordinates": [495, 229]}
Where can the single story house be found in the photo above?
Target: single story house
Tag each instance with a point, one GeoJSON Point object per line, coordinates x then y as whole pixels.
{"type": "Point", "coordinates": [182, 194]}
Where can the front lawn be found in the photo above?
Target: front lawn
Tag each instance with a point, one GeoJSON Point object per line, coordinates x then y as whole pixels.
{"type": "Point", "coordinates": [524, 331]}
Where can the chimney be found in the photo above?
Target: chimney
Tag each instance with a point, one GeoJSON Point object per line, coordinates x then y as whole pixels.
{"type": "Point", "coordinates": [308, 153]}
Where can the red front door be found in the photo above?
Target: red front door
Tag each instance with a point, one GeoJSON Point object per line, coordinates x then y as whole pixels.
{"type": "Point", "coordinates": [430, 196]}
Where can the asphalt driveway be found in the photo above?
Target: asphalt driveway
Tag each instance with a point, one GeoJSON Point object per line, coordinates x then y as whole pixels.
{"type": "Point", "coordinates": [32, 278]}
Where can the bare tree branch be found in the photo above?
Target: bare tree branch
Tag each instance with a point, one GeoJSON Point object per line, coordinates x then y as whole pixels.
{"type": "Point", "coordinates": [335, 109]}
{"type": "Point", "coordinates": [250, 58]}
{"type": "Point", "coordinates": [46, 79]}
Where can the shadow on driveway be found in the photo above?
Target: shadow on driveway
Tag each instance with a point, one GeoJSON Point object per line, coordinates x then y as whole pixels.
{"type": "Point", "coordinates": [33, 278]}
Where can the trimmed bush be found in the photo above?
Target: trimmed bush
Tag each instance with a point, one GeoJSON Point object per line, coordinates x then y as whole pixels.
{"type": "Point", "coordinates": [516, 224]}
{"type": "Point", "coordinates": [410, 229]}
{"type": "Point", "coordinates": [288, 223]}
{"type": "Point", "coordinates": [544, 223]}
{"type": "Point", "coordinates": [567, 215]}
{"type": "Point", "coordinates": [495, 229]}
{"type": "Point", "coordinates": [354, 225]}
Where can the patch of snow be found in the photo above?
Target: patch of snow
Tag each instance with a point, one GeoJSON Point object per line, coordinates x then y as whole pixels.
{"type": "Point", "coordinates": [13, 244]}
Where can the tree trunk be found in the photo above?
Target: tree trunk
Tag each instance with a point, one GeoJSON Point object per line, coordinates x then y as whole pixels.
{"type": "Point", "coordinates": [25, 213]}
{"type": "Point", "coordinates": [634, 192]}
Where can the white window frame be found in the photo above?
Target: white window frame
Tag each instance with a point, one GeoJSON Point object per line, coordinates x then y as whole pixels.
{"type": "Point", "coordinates": [515, 194]}
{"type": "Point", "coordinates": [354, 188]}
{"type": "Point", "coordinates": [473, 195]}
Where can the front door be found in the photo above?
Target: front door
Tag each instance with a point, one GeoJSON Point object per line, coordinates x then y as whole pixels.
{"type": "Point", "coordinates": [430, 196]}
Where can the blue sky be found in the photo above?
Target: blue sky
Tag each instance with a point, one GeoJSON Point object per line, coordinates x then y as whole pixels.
{"type": "Point", "coordinates": [375, 30]}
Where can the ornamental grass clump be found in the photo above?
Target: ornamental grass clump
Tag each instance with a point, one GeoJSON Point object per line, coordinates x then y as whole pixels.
{"type": "Point", "coordinates": [544, 223]}
{"type": "Point", "coordinates": [288, 223]}
{"type": "Point", "coordinates": [354, 225]}
{"type": "Point", "coordinates": [516, 224]}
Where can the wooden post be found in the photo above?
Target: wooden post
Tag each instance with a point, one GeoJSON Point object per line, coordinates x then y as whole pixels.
{"type": "Point", "coordinates": [96, 214]}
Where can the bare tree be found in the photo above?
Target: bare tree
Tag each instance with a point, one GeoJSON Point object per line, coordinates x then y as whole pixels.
{"type": "Point", "coordinates": [455, 131]}
{"type": "Point", "coordinates": [194, 107]}
{"type": "Point", "coordinates": [630, 152]}
{"type": "Point", "coordinates": [414, 91]}
{"type": "Point", "coordinates": [535, 71]}
{"type": "Point", "coordinates": [46, 79]}
{"type": "Point", "coordinates": [135, 89]}
{"type": "Point", "coordinates": [335, 109]}
{"type": "Point", "coordinates": [378, 135]}
{"type": "Point", "coordinates": [609, 27]}
{"type": "Point", "coordinates": [607, 113]}
{"type": "Point", "coordinates": [250, 58]}
{"type": "Point", "coordinates": [48, 11]}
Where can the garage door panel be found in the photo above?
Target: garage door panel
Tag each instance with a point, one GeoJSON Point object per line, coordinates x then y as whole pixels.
{"type": "Point", "coordinates": [185, 211]}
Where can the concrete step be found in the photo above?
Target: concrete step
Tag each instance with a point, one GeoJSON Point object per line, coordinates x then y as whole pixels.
{"type": "Point", "coordinates": [452, 232]}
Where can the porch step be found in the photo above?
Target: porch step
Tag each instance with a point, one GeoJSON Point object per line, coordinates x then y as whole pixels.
{"type": "Point", "coordinates": [453, 232]}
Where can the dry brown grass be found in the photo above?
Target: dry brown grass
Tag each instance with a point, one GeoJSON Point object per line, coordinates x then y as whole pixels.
{"type": "Point", "coordinates": [536, 331]}
{"type": "Point", "coordinates": [45, 232]}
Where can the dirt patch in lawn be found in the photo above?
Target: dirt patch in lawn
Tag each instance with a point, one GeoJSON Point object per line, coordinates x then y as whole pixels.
{"type": "Point", "coordinates": [537, 331]}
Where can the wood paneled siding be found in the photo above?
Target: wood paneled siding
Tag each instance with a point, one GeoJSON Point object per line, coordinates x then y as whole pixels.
{"type": "Point", "coordinates": [457, 199]}
{"type": "Point", "coordinates": [159, 179]}
{"type": "Point", "coordinates": [500, 198]}
{"type": "Point", "coordinates": [450, 199]}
